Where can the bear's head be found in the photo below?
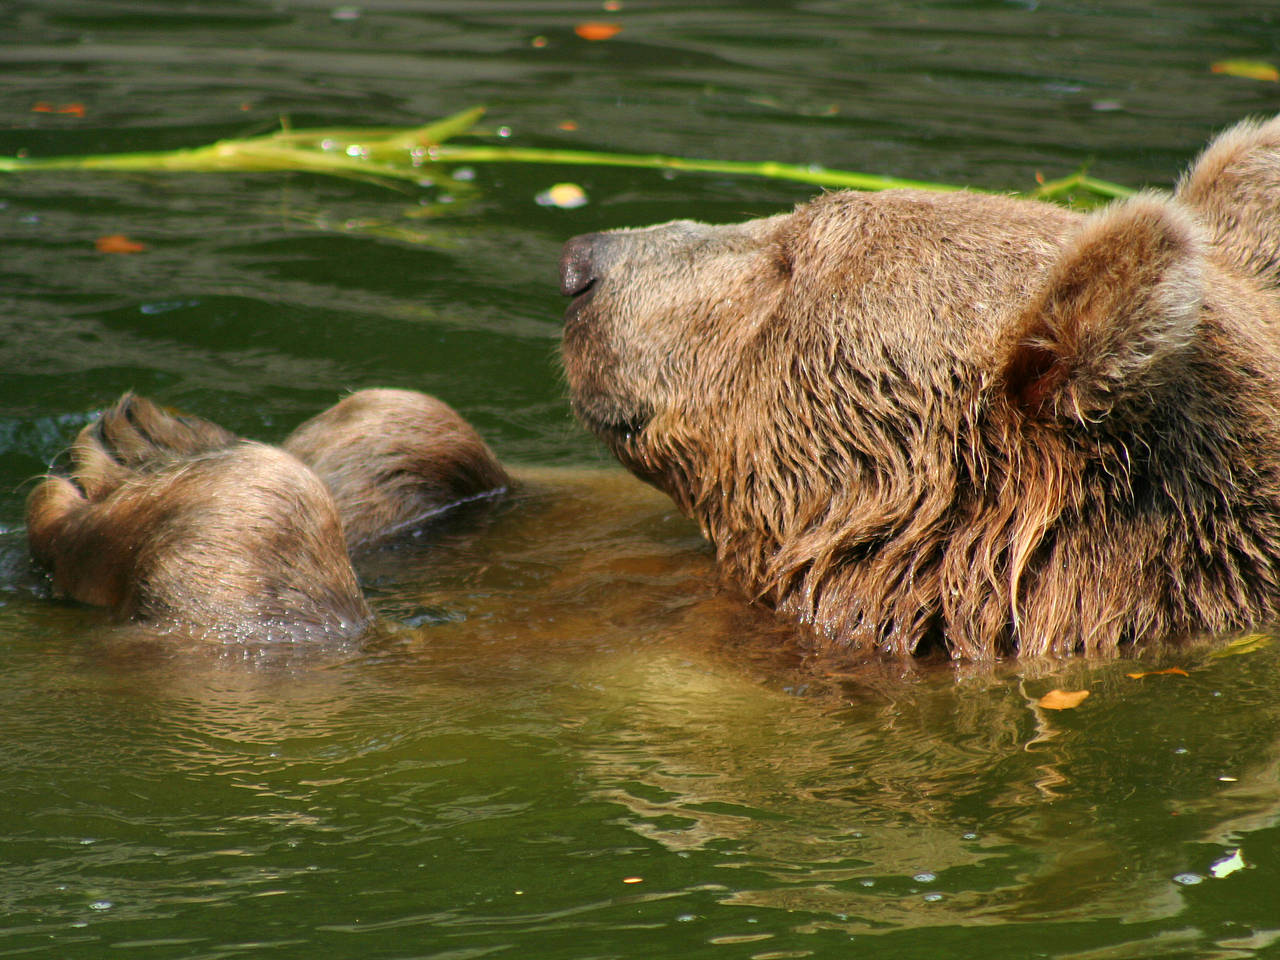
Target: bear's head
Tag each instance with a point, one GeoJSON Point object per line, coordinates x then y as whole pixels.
{"type": "Point", "coordinates": [922, 421]}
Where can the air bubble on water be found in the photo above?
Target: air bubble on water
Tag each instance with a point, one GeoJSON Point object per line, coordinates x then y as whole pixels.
{"type": "Point", "coordinates": [164, 306]}
{"type": "Point", "coordinates": [925, 876]}
{"type": "Point", "coordinates": [867, 883]}
{"type": "Point", "coordinates": [1188, 879]}
{"type": "Point", "coordinates": [101, 905]}
{"type": "Point", "coordinates": [932, 897]}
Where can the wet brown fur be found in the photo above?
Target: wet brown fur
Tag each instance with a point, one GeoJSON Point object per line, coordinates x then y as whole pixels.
{"type": "Point", "coordinates": [173, 521]}
{"type": "Point", "coordinates": [924, 421]}
{"type": "Point", "coordinates": [391, 458]}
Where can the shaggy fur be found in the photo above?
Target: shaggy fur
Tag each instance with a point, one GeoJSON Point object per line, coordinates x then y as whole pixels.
{"type": "Point", "coordinates": [923, 421]}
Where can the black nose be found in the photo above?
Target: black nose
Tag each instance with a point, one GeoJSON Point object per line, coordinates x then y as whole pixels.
{"type": "Point", "coordinates": [578, 264]}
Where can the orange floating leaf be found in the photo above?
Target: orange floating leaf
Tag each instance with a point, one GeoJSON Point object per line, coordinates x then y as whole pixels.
{"type": "Point", "coordinates": [44, 106]}
{"type": "Point", "coordinates": [1249, 69]}
{"type": "Point", "coordinates": [118, 243]}
{"type": "Point", "coordinates": [1176, 671]}
{"type": "Point", "coordinates": [1062, 699]}
{"type": "Point", "coordinates": [596, 30]}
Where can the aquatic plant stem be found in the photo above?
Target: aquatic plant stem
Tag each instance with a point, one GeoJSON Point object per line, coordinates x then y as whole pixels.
{"type": "Point", "coordinates": [817, 176]}
{"type": "Point", "coordinates": [421, 155]}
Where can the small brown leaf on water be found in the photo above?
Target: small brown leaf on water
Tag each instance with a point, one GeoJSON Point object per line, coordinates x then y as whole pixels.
{"type": "Point", "coordinates": [1177, 671]}
{"type": "Point", "coordinates": [74, 109]}
{"type": "Point", "coordinates": [118, 243]}
{"type": "Point", "coordinates": [1062, 699]}
{"type": "Point", "coordinates": [1249, 69]}
{"type": "Point", "coordinates": [596, 30]}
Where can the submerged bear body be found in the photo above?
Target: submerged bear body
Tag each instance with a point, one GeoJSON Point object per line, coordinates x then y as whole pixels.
{"type": "Point", "coordinates": [959, 422]}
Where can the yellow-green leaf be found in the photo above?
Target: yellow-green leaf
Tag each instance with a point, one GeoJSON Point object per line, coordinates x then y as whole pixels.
{"type": "Point", "coordinates": [1249, 643]}
{"type": "Point", "coordinates": [1250, 69]}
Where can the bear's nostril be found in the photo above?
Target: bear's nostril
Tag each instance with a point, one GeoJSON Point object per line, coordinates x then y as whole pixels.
{"type": "Point", "coordinates": [577, 265]}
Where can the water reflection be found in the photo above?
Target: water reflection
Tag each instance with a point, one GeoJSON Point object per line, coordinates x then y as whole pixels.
{"type": "Point", "coordinates": [592, 699]}
{"type": "Point", "coordinates": [945, 799]}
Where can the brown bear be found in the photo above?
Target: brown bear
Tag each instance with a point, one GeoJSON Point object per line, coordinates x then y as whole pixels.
{"type": "Point", "coordinates": [959, 422]}
{"type": "Point", "coordinates": [172, 521]}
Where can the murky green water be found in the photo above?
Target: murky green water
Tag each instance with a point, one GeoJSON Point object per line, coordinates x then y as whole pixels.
{"type": "Point", "coordinates": [564, 740]}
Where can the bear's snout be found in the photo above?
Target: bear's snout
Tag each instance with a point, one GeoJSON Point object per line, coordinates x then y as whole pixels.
{"type": "Point", "coordinates": [580, 263]}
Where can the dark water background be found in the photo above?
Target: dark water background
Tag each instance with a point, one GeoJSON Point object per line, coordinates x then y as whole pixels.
{"type": "Point", "coordinates": [559, 745]}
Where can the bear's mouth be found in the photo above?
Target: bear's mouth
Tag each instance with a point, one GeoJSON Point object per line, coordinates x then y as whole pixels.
{"type": "Point", "coordinates": [619, 429]}
{"type": "Point", "coordinates": [623, 435]}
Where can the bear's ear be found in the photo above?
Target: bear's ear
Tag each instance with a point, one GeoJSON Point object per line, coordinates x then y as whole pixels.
{"type": "Point", "coordinates": [1114, 317]}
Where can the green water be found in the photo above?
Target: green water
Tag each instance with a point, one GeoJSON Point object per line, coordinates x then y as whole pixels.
{"type": "Point", "coordinates": [564, 740]}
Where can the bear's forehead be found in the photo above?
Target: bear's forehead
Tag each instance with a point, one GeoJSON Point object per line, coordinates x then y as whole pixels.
{"type": "Point", "coordinates": [918, 272]}
{"type": "Point", "coordinates": [914, 223]}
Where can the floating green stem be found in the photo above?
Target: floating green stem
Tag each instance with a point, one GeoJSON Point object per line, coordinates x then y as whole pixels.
{"type": "Point", "coordinates": [421, 154]}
